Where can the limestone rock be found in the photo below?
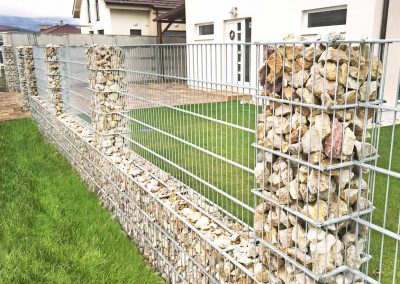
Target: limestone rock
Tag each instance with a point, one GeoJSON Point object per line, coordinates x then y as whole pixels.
{"type": "Point", "coordinates": [364, 151]}
{"type": "Point", "coordinates": [322, 124]}
{"type": "Point", "coordinates": [317, 211]}
{"type": "Point", "coordinates": [261, 272]}
{"type": "Point", "coordinates": [299, 236]}
{"type": "Point", "coordinates": [311, 141]}
{"type": "Point", "coordinates": [348, 142]}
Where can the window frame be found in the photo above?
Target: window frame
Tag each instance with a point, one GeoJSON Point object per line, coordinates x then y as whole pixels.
{"type": "Point", "coordinates": [97, 10]}
{"type": "Point", "coordinates": [130, 32]}
{"type": "Point", "coordinates": [323, 29]}
{"type": "Point", "coordinates": [88, 11]}
{"type": "Point", "coordinates": [199, 36]}
{"type": "Point", "coordinates": [100, 32]}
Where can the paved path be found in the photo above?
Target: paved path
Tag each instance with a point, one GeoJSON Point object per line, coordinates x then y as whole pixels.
{"type": "Point", "coordinates": [11, 106]}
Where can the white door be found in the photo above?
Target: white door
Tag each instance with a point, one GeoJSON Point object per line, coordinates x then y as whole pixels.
{"type": "Point", "coordinates": [238, 32]}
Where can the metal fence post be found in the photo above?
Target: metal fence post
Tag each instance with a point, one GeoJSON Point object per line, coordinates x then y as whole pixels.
{"type": "Point", "coordinates": [10, 68]}
{"type": "Point", "coordinates": [108, 87]}
{"type": "Point", "coordinates": [53, 75]}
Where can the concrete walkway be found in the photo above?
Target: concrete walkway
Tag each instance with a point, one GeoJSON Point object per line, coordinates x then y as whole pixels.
{"type": "Point", "coordinates": [11, 106]}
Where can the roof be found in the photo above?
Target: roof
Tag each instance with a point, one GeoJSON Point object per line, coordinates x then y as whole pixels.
{"type": "Point", "coordinates": [156, 4]}
{"type": "Point", "coordinates": [161, 4]}
{"type": "Point", "coordinates": [176, 15]}
{"type": "Point", "coordinates": [62, 29]}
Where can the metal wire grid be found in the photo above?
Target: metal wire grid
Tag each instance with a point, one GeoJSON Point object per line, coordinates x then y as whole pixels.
{"type": "Point", "coordinates": [159, 109]}
{"type": "Point", "coordinates": [187, 115]}
{"type": "Point", "coordinates": [40, 71]}
{"type": "Point", "coordinates": [74, 81]}
{"type": "Point", "coordinates": [134, 212]}
{"type": "Point", "coordinates": [346, 84]}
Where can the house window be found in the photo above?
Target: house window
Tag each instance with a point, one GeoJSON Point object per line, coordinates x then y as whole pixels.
{"type": "Point", "coordinates": [91, 32]}
{"type": "Point", "coordinates": [326, 17]}
{"type": "Point", "coordinates": [206, 29]}
{"type": "Point", "coordinates": [97, 11]}
{"type": "Point", "coordinates": [135, 32]}
{"type": "Point", "coordinates": [175, 33]}
{"type": "Point", "coordinates": [88, 10]}
{"type": "Point", "coordinates": [100, 32]}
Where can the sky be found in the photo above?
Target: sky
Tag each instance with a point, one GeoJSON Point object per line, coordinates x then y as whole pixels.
{"type": "Point", "coordinates": [36, 8]}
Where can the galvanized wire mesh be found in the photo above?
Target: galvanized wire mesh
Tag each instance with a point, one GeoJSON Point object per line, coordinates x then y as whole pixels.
{"type": "Point", "coordinates": [308, 158]}
{"type": "Point", "coordinates": [317, 137]}
{"type": "Point", "coordinates": [74, 81]}
{"type": "Point", "coordinates": [185, 101]}
{"type": "Point", "coordinates": [40, 70]}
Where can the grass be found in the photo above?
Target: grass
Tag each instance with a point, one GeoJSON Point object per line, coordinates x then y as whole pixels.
{"type": "Point", "coordinates": [224, 140]}
{"type": "Point", "coordinates": [48, 203]}
{"type": "Point", "coordinates": [386, 198]}
{"type": "Point", "coordinates": [235, 145]}
{"type": "Point", "coordinates": [52, 229]}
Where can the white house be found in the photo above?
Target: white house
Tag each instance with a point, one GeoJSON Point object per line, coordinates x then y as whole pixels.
{"type": "Point", "coordinates": [124, 17]}
{"type": "Point", "coordinates": [240, 21]}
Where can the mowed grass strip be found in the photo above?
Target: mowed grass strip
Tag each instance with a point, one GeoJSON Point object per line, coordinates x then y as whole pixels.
{"type": "Point", "coordinates": [384, 250]}
{"type": "Point", "coordinates": [52, 228]}
{"type": "Point", "coordinates": [222, 139]}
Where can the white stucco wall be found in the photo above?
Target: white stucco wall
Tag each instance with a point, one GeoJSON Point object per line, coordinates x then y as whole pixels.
{"type": "Point", "coordinates": [119, 20]}
{"type": "Point", "coordinates": [274, 19]}
{"type": "Point", "coordinates": [122, 21]}
{"type": "Point", "coordinates": [393, 64]}
{"type": "Point", "coordinates": [94, 25]}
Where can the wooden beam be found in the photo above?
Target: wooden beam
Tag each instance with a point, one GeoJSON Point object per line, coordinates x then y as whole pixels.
{"type": "Point", "coordinates": [167, 27]}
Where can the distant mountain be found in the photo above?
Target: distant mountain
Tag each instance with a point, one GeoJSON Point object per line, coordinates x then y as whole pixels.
{"type": "Point", "coordinates": [33, 23]}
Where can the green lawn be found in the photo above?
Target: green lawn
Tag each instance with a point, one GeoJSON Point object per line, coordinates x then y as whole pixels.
{"type": "Point", "coordinates": [61, 246]}
{"type": "Point", "coordinates": [229, 142]}
{"type": "Point", "coordinates": [392, 196]}
{"type": "Point", "coordinates": [52, 228]}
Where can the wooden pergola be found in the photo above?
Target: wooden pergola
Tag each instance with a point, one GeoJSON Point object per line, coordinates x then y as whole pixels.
{"type": "Point", "coordinates": [174, 16]}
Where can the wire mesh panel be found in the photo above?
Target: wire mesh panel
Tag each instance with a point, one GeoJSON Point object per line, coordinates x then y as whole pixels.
{"type": "Point", "coordinates": [189, 114]}
{"type": "Point", "coordinates": [74, 81]}
{"type": "Point", "coordinates": [292, 139]}
{"type": "Point", "coordinates": [40, 71]}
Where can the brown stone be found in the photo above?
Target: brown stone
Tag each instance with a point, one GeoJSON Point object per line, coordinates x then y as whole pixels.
{"type": "Point", "coordinates": [291, 51]}
{"type": "Point", "coordinates": [311, 141]}
{"type": "Point", "coordinates": [334, 55]}
{"type": "Point", "coordinates": [304, 64]}
{"type": "Point", "coordinates": [319, 85]}
{"type": "Point", "coordinates": [312, 53]}
{"type": "Point", "coordinates": [349, 97]}
{"type": "Point", "coordinates": [306, 96]}
{"type": "Point", "coordinates": [376, 71]}
{"type": "Point", "coordinates": [300, 78]}
{"type": "Point", "coordinates": [348, 142]}
{"type": "Point", "coordinates": [359, 72]}
{"type": "Point", "coordinates": [289, 93]}
{"type": "Point", "coordinates": [333, 144]}
{"type": "Point", "coordinates": [318, 182]}
{"type": "Point", "coordinates": [368, 91]}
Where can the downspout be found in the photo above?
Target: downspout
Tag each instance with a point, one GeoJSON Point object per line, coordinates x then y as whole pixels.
{"type": "Point", "coordinates": [385, 11]}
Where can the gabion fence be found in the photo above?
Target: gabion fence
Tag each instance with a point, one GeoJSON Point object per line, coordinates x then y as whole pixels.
{"type": "Point", "coordinates": [235, 163]}
{"type": "Point", "coordinates": [10, 68]}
